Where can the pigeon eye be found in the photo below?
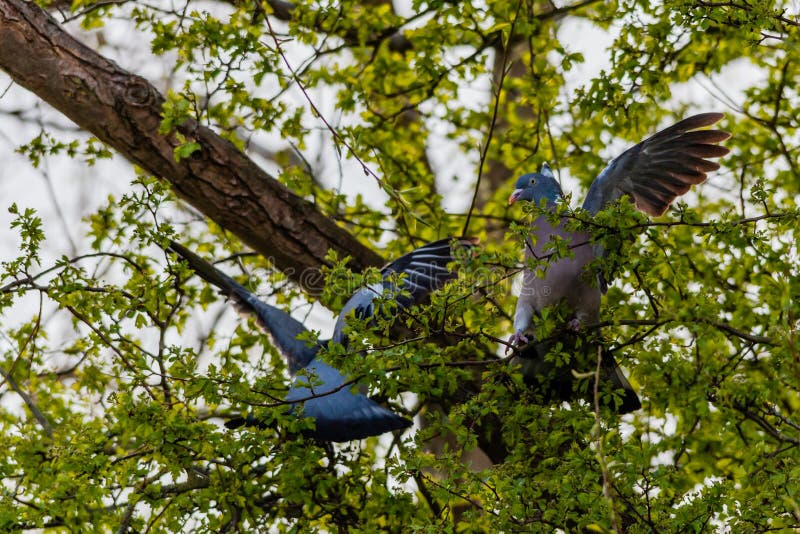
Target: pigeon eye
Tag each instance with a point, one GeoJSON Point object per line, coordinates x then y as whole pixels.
{"type": "Point", "coordinates": [533, 181]}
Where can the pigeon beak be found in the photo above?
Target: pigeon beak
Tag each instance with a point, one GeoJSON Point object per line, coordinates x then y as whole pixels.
{"type": "Point", "coordinates": [514, 196]}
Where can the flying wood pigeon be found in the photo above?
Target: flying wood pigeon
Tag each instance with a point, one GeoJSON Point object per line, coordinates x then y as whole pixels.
{"type": "Point", "coordinates": [652, 173]}
{"type": "Point", "coordinates": [323, 392]}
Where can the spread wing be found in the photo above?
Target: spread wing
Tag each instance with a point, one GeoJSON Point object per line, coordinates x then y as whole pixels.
{"type": "Point", "coordinates": [660, 168]}
{"type": "Point", "coordinates": [425, 271]}
{"type": "Point", "coordinates": [279, 325]}
{"type": "Point", "coordinates": [339, 414]}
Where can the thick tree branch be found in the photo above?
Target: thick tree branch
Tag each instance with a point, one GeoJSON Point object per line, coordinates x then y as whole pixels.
{"type": "Point", "coordinates": [124, 111]}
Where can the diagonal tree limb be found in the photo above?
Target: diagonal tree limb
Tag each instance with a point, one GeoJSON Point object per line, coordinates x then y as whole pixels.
{"type": "Point", "coordinates": [29, 402]}
{"type": "Point", "coordinates": [124, 111]}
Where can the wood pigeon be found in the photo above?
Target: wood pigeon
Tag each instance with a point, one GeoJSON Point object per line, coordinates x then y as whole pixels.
{"type": "Point", "coordinates": [652, 173]}
{"type": "Point", "coordinates": [339, 413]}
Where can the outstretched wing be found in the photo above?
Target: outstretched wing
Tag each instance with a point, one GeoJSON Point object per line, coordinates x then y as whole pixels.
{"type": "Point", "coordinates": [279, 325]}
{"type": "Point", "coordinates": [425, 271]}
{"type": "Point", "coordinates": [339, 414]}
{"type": "Point", "coordinates": [659, 169]}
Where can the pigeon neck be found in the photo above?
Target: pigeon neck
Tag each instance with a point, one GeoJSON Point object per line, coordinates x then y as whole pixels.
{"type": "Point", "coordinates": [551, 201]}
{"type": "Point", "coordinates": [550, 191]}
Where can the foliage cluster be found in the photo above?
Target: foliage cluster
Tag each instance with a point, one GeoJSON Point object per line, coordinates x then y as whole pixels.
{"type": "Point", "coordinates": [117, 424]}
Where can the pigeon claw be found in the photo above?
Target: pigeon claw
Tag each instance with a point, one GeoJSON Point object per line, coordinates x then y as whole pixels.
{"type": "Point", "coordinates": [517, 339]}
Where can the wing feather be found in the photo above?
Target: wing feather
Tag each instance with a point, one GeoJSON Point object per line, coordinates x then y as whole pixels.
{"type": "Point", "coordinates": [425, 271]}
{"type": "Point", "coordinates": [661, 168]}
{"type": "Point", "coordinates": [281, 327]}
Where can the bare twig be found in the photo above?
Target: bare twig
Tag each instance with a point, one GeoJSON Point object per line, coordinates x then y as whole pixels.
{"type": "Point", "coordinates": [495, 111]}
{"type": "Point", "coordinates": [598, 434]}
{"type": "Point", "coordinates": [40, 417]}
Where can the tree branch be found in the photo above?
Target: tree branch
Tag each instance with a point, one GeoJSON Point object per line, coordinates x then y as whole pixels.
{"type": "Point", "coordinates": [124, 111]}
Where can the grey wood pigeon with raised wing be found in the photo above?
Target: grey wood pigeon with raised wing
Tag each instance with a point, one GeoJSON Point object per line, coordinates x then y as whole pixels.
{"type": "Point", "coordinates": [652, 173]}
{"type": "Point", "coordinates": [339, 413]}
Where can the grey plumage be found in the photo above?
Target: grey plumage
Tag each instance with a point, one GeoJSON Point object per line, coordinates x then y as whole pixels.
{"type": "Point", "coordinates": [281, 327]}
{"type": "Point", "coordinates": [321, 391]}
{"type": "Point", "coordinates": [660, 168]}
{"type": "Point", "coordinates": [652, 173]}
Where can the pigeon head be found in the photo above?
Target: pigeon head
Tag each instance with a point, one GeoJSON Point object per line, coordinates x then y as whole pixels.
{"type": "Point", "coordinates": [535, 186]}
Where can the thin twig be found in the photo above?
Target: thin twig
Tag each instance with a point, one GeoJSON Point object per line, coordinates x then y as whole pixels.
{"type": "Point", "coordinates": [490, 134]}
{"type": "Point", "coordinates": [599, 443]}
{"type": "Point", "coordinates": [40, 417]}
{"type": "Point", "coordinates": [367, 170]}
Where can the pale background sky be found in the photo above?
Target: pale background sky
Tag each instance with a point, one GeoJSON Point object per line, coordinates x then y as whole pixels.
{"type": "Point", "coordinates": [64, 191]}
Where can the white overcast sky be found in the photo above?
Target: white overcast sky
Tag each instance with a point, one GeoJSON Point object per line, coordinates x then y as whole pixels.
{"type": "Point", "coordinates": [64, 191]}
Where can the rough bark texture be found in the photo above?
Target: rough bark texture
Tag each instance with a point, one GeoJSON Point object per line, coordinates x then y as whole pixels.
{"type": "Point", "coordinates": [123, 110]}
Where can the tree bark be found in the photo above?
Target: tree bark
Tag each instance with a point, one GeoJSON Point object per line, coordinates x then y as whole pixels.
{"type": "Point", "coordinates": [124, 111]}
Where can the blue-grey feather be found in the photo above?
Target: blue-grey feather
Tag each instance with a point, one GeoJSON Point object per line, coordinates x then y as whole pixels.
{"type": "Point", "coordinates": [653, 173]}
{"type": "Point", "coordinates": [340, 414]}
